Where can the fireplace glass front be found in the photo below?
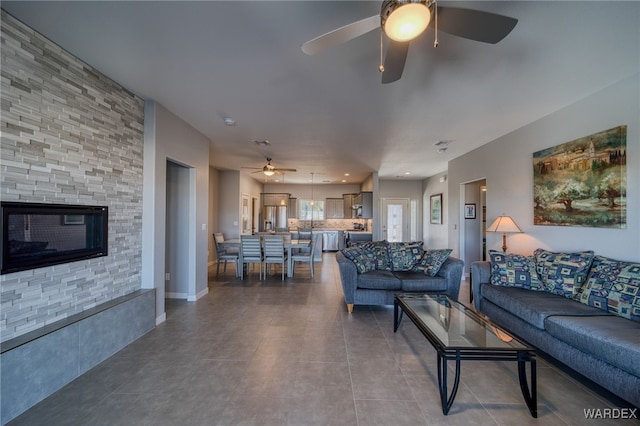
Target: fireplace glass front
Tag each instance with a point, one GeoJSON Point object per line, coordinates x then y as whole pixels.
{"type": "Point", "coordinates": [37, 235]}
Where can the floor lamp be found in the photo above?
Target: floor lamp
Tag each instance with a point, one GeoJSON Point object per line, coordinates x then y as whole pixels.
{"type": "Point", "coordinates": [504, 224]}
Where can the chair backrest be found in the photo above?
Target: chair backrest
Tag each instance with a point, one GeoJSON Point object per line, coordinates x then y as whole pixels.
{"type": "Point", "coordinates": [273, 246]}
{"type": "Point", "coordinates": [250, 246]}
{"type": "Point", "coordinates": [217, 239]}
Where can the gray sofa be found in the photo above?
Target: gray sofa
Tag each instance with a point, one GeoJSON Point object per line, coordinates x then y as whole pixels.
{"type": "Point", "coordinates": [592, 329]}
{"type": "Point", "coordinates": [394, 268]}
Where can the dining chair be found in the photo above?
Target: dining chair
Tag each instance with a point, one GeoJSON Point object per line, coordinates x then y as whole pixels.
{"type": "Point", "coordinates": [250, 252]}
{"type": "Point", "coordinates": [303, 257]}
{"type": "Point", "coordinates": [225, 254]}
{"type": "Point", "coordinates": [274, 252]}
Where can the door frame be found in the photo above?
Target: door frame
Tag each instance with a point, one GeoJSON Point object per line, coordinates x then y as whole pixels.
{"type": "Point", "coordinates": [406, 216]}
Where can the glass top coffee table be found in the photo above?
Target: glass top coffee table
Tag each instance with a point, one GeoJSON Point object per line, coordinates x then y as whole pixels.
{"type": "Point", "coordinates": [459, 334]}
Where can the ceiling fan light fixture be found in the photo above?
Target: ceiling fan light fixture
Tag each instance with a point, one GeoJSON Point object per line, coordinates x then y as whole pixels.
{"type": "Point", "coordinates": [406, 21]}
{"type": "Point", "coordinates": [268, 172]}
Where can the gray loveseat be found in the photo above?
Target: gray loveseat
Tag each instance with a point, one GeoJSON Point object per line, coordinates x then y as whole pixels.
{"type": "Point", "coordinates": [581, 309]}
{"type": "Point", "coordinates": [372, 272]}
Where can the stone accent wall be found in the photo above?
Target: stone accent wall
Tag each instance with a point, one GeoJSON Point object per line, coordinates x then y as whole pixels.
{"type": "Point", "coordinates": [69, 135]}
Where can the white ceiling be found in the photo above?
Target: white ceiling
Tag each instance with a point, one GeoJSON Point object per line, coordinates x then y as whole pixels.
{"type": "Point", "coordinates": [329, 114]}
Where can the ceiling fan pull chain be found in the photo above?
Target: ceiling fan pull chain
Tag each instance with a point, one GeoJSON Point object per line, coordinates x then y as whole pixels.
{"type": "Point", "coordinates": [435, 5]}
{"type": "Point", "coordinates": [381, 66]}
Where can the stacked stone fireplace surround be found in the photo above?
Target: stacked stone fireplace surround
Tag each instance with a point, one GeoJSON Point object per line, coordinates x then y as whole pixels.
{"type": "Point", "coordinates": [70, 135]}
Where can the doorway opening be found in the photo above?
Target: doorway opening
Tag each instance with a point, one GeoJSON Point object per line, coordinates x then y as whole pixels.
{"type": "Point", "coordinates": [473, 219]}
{"type": "Point", "coordinates": [179, 265]}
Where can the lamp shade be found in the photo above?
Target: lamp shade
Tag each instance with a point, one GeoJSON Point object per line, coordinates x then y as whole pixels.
{"type": "Point", "coordinates": [407, 21]}
{"type": "Point", "coordinates": [503, 224]}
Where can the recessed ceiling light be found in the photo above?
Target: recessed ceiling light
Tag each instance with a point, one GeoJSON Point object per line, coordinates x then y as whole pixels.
{"type": "Point", "coordinates": [347, 174]}
{"type": "Point", "coordinates": [344, 180]}
{"type": "Point", "coordinates": [229, 121]}
{"type": "Point", "coordinates": [407, 173]}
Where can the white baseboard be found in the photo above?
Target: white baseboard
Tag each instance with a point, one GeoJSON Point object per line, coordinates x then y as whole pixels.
{"type": "Point", "coordinates": [162, 318]}
{"type": "Point", "coordinates": [198, 296]}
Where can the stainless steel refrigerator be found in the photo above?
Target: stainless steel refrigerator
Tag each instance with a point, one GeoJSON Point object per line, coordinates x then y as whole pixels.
{"type": "Point", "coordinates": [274, 218]}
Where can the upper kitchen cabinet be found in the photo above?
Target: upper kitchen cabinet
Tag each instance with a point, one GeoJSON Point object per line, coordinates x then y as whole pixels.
{"type": "Point", "coordinates": [364, 200]}
{"type": "Point", "coordinates": [348, 203]}
{"type": "Point", "coordinates": [334, 208]}
{"type": "Point", "coordinates": [293, 208]}
{"type": "Point", "coordinates": [274, 199]}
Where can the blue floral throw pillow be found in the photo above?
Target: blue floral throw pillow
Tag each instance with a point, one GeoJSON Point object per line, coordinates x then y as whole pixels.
{"type": "Point", "coordinates": [514, 270]}
{"type": "Point", "coordinates": [432, 261]}
{"type": "Point", "coordinates": [613, 286]}
{"type": "Point", "coordinates": [563, 273]}
{"type": "Point", "coordinates": [364, 259]}
{"type": "Point", "coordinates": [404, 255]}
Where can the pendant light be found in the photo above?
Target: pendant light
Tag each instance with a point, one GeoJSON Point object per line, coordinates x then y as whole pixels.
{"type": "Point", "coordinates": [311, 202]}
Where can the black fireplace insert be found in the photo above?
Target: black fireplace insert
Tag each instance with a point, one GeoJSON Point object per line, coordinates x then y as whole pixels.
{"type": "Point", "coordinates": [36, 235]}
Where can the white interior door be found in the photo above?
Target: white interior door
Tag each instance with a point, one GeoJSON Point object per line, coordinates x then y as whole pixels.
{"type": "Point", "coordinates": [395, 219]}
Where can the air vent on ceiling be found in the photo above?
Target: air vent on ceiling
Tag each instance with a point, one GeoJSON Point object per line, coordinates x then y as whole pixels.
{"type": "Point", "coordinates": [262, 143]}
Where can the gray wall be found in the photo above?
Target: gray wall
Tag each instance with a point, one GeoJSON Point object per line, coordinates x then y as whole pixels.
{"type": "Point", "coordinates": [507, 164]}
{"type": "Point", "coordinates": [167, 137]}
{"type": "Point", "coordinates": [436, 235]}
{"type": "Point", "coordinates": [69, 135]}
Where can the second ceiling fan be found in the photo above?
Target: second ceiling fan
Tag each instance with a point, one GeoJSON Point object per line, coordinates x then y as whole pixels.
{"type": "Point", "coordinates": [402, 21]}
{"type": "Point", "coordinates": [270, 170]}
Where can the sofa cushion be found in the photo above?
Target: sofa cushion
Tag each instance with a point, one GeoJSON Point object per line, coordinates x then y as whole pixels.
{"type": "Point", "coordinates": [613, 286]}
{"type": "Point", "coordinates": [610, 338]}
{"type": "Point", "coordinates": [417, 281]}
{"type": "Point", "coordinates": [431, 261]}
{"type": "Point", "coordinates": [363, 258]}
{"type": "Point", "coordinates": [563, 273]}
{"type": "Point", "coordinates": [535, 306]}
{"type": "Point", "coordinates": [379, 280]}
{"type": "Point", "coordinates": [404, 255]}
{"type": "Point", "coordinates": [514, 270]}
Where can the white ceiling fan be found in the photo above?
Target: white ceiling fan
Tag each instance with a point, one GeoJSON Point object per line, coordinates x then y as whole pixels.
{"type": "Point", "coordinates": [270, 170]}
{"type": "Point", "coordinates": [404, 20]}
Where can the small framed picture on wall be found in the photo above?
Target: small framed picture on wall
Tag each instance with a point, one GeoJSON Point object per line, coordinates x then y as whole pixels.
{"type": "Point", "coordinates": [470, 211]}
{"type": "Point", "coordinates": [436, 209]}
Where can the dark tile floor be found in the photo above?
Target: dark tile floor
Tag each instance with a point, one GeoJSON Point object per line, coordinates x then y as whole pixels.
{"type": "Point", "coordinates": [287, 353]}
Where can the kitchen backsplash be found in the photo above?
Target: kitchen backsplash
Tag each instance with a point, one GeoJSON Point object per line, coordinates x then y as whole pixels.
{"type": "Point", "coordinates": [329, 223]}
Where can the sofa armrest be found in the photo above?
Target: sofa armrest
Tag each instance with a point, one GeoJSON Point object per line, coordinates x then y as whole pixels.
{"type": "Point", "coordinates": [480, 274]}
{"type": "Point", "coordinates": [348, 277]}
{"type": "Point", "coordinates": [451, 270]}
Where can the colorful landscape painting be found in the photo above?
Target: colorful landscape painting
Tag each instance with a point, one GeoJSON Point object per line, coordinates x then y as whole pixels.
{"type": "Point", "coordinates": [582, 182]}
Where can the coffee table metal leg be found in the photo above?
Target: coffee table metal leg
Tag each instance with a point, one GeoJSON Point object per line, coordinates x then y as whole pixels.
{"type": "Point", "coordinates": [447, 400]}
{"type": "Point", "coordinates": [529, 393]}
{"type": "Point", "coordinates": [397, 316]}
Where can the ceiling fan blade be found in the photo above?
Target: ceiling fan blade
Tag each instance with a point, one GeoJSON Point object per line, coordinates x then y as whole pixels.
{"type": "Point", "coordinates": [394, 61]}
{"type": "Point", "coordinates": [341, 35]}
{"type": "Point", "coordinates": [475, 24]}
{"type": "Point", "coordinates": [278, 169]}
{"type": "Point", "coordinates": [253, 168]}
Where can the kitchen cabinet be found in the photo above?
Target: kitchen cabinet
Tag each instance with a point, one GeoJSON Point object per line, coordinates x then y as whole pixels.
{"type": "Point", "coordinates": [348, 202]}
{"type": "Point", "coordinates": [274, 199]}
{"type": "Point", "coordinates": [334, 208]}
{"type": "Point", "coordinates": [364, 201]}
{"type": "Point", "coordinates": [367, 205]}
{"type": "Point", "coordinates": [293, 208]}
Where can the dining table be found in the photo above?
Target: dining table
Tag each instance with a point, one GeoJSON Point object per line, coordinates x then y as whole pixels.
{"type": "Point", "coordinates": [289, 245]}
